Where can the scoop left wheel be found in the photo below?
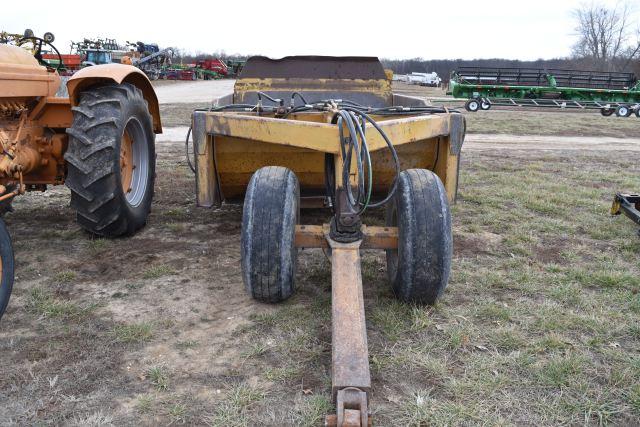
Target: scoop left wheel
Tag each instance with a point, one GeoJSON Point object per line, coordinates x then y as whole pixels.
{"type": "Point", "coordinates": [269, 217]}
{"type": "Point", "coordinates": [6, 267]}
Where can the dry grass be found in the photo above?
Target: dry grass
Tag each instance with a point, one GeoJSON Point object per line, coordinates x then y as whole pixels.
{"type": "Point", "coordinates": [518, 122]}
{"type": "Point", "coordinates": [539, 324]}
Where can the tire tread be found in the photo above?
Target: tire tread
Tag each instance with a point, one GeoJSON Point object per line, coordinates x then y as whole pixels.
{"type": "Point", "coordinates": [419, 269]}
{"type": "Point", "coordinates": [268, 225]}
{"type": "Point", "coordinates": [94, 141]}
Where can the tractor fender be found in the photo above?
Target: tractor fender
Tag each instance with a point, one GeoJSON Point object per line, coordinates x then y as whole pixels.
{"type": "Point", "coordinates": [115, 73]}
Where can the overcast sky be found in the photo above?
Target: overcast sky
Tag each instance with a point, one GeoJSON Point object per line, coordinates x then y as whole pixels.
{"type": "Point", "coordinates": [465, 29]}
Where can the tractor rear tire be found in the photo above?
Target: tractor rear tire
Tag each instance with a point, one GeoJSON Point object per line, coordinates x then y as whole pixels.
{"type": "Point", "coordinates": [111, 160]}
{"type": "Point", "coordinates": [269, 217]}
{"type": "Point", "coordinates": [6, 267]}
{"type": "Point", "coordinates": [419, 269]}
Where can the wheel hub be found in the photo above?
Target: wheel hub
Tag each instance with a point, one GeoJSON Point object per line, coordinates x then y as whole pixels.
{"type": "Point", "coordinates": [134, 163]}
{"type": "Point", "coordinates": [126, 162]}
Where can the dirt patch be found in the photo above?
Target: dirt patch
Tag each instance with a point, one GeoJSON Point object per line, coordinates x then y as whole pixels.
{"type": "Point", "coordinates": [550, 250]}
{"type": "Point", "coordinates": [472, 244]}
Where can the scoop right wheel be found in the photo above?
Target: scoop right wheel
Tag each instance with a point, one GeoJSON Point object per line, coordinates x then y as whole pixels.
{"type": "Point", "coordinates": [6, 267]}
{"type": "Point", "coordinates": [419, 269]}
{"type": "Point", "coordinates": [269, 217]}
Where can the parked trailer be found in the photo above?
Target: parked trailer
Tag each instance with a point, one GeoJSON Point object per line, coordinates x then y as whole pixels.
{"type": "Point", "coordinates": [422, 79]}
{"type": "Point", "coordinates": [293, 135]}
{"type": "Point", "coordinates": [609, 92]}
{"type": "Point", "coordinates": [178, 74]}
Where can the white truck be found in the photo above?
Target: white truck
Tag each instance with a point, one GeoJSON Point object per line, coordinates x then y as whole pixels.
{"type": "Point", "coordinates": [424, 79]}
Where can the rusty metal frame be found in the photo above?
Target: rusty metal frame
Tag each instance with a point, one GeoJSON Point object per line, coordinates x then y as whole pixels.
{"type": "Point", "coordinates": [314, 236]}
{"type": "Point", "coordinates": [319, 136]}
{"type": "Point", "coordinates": [350, 375]}
{"type": "Point", "coordinates": [315, 135]}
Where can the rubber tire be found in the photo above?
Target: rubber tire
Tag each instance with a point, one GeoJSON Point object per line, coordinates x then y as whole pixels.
{"type": "Point", "coordinates": [419, 269]}
{"type": "Point", "coordinates": [93, 159]}
{"type": "Point", "coordinates": [638, 112]}
{"type": "Point", "coordinates": [623, 111]}
{"type": "Point", "coordinates": [606, 112]}
{"type": "Point", "coordinates": [269, 217]}
{"type": "Point", "coordinates": [6, 281]}
{"type": "Point", "coordinates": [485, 105]}
{"type": "Point", "coordinates": [470, 103]}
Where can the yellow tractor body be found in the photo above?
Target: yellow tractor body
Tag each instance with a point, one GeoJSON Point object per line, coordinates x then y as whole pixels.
{"type": "Point", "coordinates": [96, 134]}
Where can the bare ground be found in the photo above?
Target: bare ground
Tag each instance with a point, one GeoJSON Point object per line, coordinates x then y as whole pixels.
{"type": "Point", "coordinates": [176, 91]}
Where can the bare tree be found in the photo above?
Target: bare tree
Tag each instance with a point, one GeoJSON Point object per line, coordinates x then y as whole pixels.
{"type": "Point", "coordinates": [633, 51]}
{"type": "Point", "coordinates": [603, 33]}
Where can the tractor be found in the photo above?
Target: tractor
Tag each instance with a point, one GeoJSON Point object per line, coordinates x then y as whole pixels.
{"type": "Point", "coordinates": [99, 141]}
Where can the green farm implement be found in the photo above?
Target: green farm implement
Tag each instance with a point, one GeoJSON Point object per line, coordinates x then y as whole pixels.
{"type": "Point", "coordinates": [609, 92]}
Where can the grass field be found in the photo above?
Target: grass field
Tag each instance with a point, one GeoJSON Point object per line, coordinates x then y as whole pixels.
{"type": "Point", "coordinates": [497, 120]}
{"type": "Point", "coordinates": [518, 122]}
{"type": "Point", "coordinates": [540, 324]}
